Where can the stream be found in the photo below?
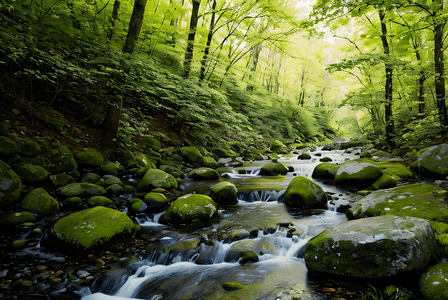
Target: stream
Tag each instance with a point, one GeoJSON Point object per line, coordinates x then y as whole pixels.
{"type": "Point", "coordinates": [200, 272]}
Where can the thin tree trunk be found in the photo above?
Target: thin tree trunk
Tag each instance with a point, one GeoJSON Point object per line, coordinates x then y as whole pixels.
{"type": "Point", "coordinates": [440, 72]}
{"type": "Point", "coordinates": [110, 32]}
{"type": "Point", "coordinates": [110, 126]}
{"type": "Point", "coordinates": [390, 128]}
{"type": "Point", "coordinates": [209, 42]}
{"type": "Point", "coordinates": [135, 25]}
{"type": "Point", "coordinates": [191, 35]}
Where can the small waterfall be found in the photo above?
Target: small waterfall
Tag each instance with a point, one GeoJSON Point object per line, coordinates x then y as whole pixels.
{"type": "Point", "coordinates": [261, 196]}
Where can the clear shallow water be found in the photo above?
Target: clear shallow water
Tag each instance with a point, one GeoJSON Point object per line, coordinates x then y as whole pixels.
{"type": "Point", "coordinates": [280, 272]}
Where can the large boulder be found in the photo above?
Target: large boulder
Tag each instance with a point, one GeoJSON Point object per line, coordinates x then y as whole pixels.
{"type": "Point", "coordinates": [435, 161]}
{"type": "Point", "coordinates": [376, 247]}
{"type": "Point", "coordinates": [10, 184]}
{"type": "Point", "coordinates": [434, 282]}
{"type": "Point", "coordinates": [325, 170]}
{"type": "Point", "coordinates": [192, 155]}
{"type": "Point", "coordinates": [416, 200]}
{"type": "Point", "coordinates": [156, 202]}
{"type": "Point", "coordinates": [210, 162]}
{"type": "Point", "coordinates": [89, 157]}
{"type": "Point", "coordinates": [302, 192]}
{"type": "Point", "coordinates": [278, 147]}
{"type": "Point", "coordinates": [83, 190]}
{"type": "Point", "coordinates": [190, 208]}
{"type": "Point", "coordinates": [204, 174]}
{"type": "Point", "coordinates": [32, 173]}
{"type": "Point", "coordinates": [90, 230]}
{"type": "Point", "coordinates": [38, 201]}
{"type": "Point", "coordinates": [274, 168]}
{"type": "Point", "coordinates": [224, 193]}
{"type": "Point", "coordinates": [357, 174]}
{"type": "Point", "coordinates": [155, 178]}
{"type": "Point", "coordinates": [63, 159]}
{"type": "Point", "coordinates": [152, 143]}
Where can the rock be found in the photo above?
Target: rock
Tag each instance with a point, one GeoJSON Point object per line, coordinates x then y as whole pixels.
{"type": "Point", "coordinates": [112, 168]}
{"type": "Point", "coordinates": [137, 205]}
{"type": "Point", "coordinates": [152, 143]}
{"type": "Point", "coordinates": [204, 174]}
{"type": "Point", "coordinates": [111, 180]}
{"type": "Point", "coordinates": [114, 189]}
{"type": "Point", "coordinates": [38, 201]}
{"type": "Point", "coordinates": [10, 184]}
{"type": "Point", "coordinates": [357, 174]}
{"type": "Point", "coordinates": [28, 147]}
{"type": "Point", "coordinates": [32, 173]}
{"type": "Point", "coordinates": [416, 200]}
{"type": "Point", "coordinates": [305, 193]}
{"type": "Point", "coordinates": [399, 172]}
{"type": "Point", "coordinates": [325, 170]}
{"type": "Point", "coordinates": [12, 218]}
{"type": "Point", "coordinates": [99, 201]}
{"type": "Point", "coordinates": [192, 155]}
{"type": "Point", "coordinates": [155, 178]}
{"type": "Point", "coordinates": [62, 179]}
{"type": "Point", "coordinates": [155, 156]}
{"type": "Point", "coordinates": [384, 182]}
{"type": "Point", "coordinates": [73, 200]}
{"type": "Point", "coordinates": [89, 157]}
{"type": "Point", "coordinates": [175, 171]}
{"type": "Point", "coordinates": [7, 146]}
{"type": "Point", "coordinates": [278, 147]}
{"type": "Point", "coordinates": [92, 178]}
{"type": "Point", "coordinates": [252, 154]}
{"type": "Point", "coordinates": [304, 156]}
{"type": "Point", "coordinates": [139, 160]}
{"type": "Point", "coordinates": [274, 168]}
{"type": "Point", "coordinates": [91, 230]}
{"type": "Point", "coordinates": [325, 159]}
{"type": "Point", "coordinates": [350, 144]}
{"type": "Point", "coordinates": [190, 208]}
{"type": "Point", "coordinates": [210, 162]}
{"type": "Point", "coordinates": [434, 282]}
{"type": "Point", "coordinates": [257, 246]}
{"type": "Point", "coordinates": [224, 153]}
{"type": "Point", "coordinates": [232, 286]}
{"type": "Point", "coordinates": [156, 201]}
{"type": "Point", "coordinates": [435, 161]}
{"type": "Point", "coordinates": [224, 193]}
{"type": "Point", "coordinates": [83, 190]}
{"type": "Point", "coordinates": [63, 159]}
{"type": "Point", "coordinates": [376, 247]}
{"type": "Point", "coordinates": [248, 256]}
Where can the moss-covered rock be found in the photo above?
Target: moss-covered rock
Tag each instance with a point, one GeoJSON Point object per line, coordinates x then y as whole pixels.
{"type": "Point", "coordinates": [376, 247]}
{"type": "Point", "coordinates": [435, 160]}
{"type": "Point", "coordinates": [248, 256]}
{"type": "Point", "coordinates": [221, 152]}
{"type": "Point", "coordinates": [152, 143]}
{"type": "Point", "coordinates": [155, 178]}
{"type": "Point", "coordinates": [384, 182]}
{"type": "Point", "coordinates": [7, 146]}
{"type": "Point", "coordinates": [252, 154]}
{"type": "Point", "coordinates": [61, 179]}
{"type": "Point", "coordinates": [434, 282]}
{"type": "Point", "coordinates": [90, 230]}
{"type": "Point", "coordinates": [92, 178]}
{"type": "Point", "coordinates": [38, 201]}
{"type": "Point", "coordinates": [73, 200]}
{"type": "Point", "coordinates": [399, 172]}
{"type": "Point", "coordinates": [416, 200]}
{"type": "Point", "coordinates": [28, 147]}
{"type": "Point", "coordinates": [325, 159]}
{"type": "Point", "coordinates": [302, 192]}
{"type": "Point", "coordinates": [325, 170]}
{"type": "Point", "coordinates": [358, 174]}
{"type": "Point", "coordinates": [191, 208]}
{"type": "Point", "coordinates": [204, 174]}
{"type": "Point", "coordinates": [111, 180]}
{"type": "Point", "coordinates": [173, 170]}
{"type": "Point", "coordinates": [210, 162]}
{"type": "Point", "coordinates": [192, 155]}
{"type": "Point", "coordinates": [278, 147]}
{"type": "Point", "coordinates": [83, 190]}
{"type": "Point", "coordinates": [139, 160]}
{"type": "Point", "coordinates": [304, 156]}
{"type": "Point", "coordinates": [156, 201]}
{"type": "Point", "coordinates": [154, 156]}
{"type": "Point", "coordinates": [274, 168]}
{"type": "Point", "coordinates": [350, 144]}
{"type": "Point", "coordinates": [89, 157]}
{"type": "Point", "coordinates": [32, 173]}
{"type": "Point", "coordinates": [224, 193]}
{"type": "Point", "coordinates": [12, 218]}
{"type": "Point", "coordinates": [112, 168]}
{"type": "Point", "coordinates": [63, 159]}
{"type": "Point", "coordinates": [137, 205]}
{"type": "Point", "coordinates": [99, 201]}
{"type": "Point", "coordinates": [114, 189]}
{"type": "Point", "coordinates": [10, 184]}
{"type": "Point", "coordinates": [232, 286]}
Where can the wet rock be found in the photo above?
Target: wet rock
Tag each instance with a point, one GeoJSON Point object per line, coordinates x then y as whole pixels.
{"type": "Point", "coordinates": [399, 172]}
{"type": "Point", "coordinates": [83, 190]}
{"type": "Point", "coordinates": [32, 173]}
{"type": "Point", "coordinates": [38, 201]}
{"type": "Point", "coordinates": [192, 155]}
{"type": "Point", "coordinates": [304, 156]}
{"type": "Point", "coordinates": [99, 201]}
{"type": "Point", "coordinates": [325, 170]}
{"type": "Point", "coordinates": [434, 282]}
{"type": "Point", "coordinates": [252, 154]}
{"type": "Point", "coordinates": [210, 162]}
{"type": "Point", "coordinates": [90, 230]}
{"type": "Point", "coordinates": [61, 179]}
{"type": "Point", "coordinates": [92, 178]}
{"type": "Point", "coordinates": [190, 208]}
{"type": "Point", "coordinates": [152, 143]}
{"type": "Point", "coordinates": [156, 201]}
{"type": "Point", "coordinates": [224, 193]}
{"type": "Point", "coordinates": [274, 168]}
{"type": "Point", "coordinates": [204, 174]}
{"type": "Point", "coordinates": [175, 171]}
{"type": "Point", "coordinates": [12, 218]}
{"type": "Point", "coordinates": [232, 286]}
{"type": "Point", "coordinates": [384, 182]}
{"type": "Point", "coordinates": [305, 193]}
{"type": "Point", "coordinates": [278, 147]}
{"type": "Point", "coordinates": [114, 189]}
{"type": "Point", "coordinates": [112, 168]}
{"type": "Point", "coordinates": [248, 256]}
{"type": "Point", "coordinates": [155, 178]}
{"type": "Point", "coordinates": [256, 246]}
{"type": "Point", "coordinates": [137, 205]}
{"type": "Point", "coordinates": [111, 180]}
{"type": "Point", "coordinates": [63, 159]}
{"type": "Point", "coordinates": [435, 160]}
{"type": "Point", "coordinates": [376, 247]}
{"type": "Point", "coordinates": [10, 184]}
{"type": "Point", "coordinates": [224, 153]}
{"type": "Point", "coordinates": [358, 174]}
{"type": "Point", "coordinates": [89, 157]}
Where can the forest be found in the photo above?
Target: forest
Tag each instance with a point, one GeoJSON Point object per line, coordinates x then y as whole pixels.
{"type": "Point", "coordinates": [247, 70]}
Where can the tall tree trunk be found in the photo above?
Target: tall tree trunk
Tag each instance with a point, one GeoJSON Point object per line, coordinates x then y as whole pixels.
{"type": "Point", "coordinates": [440, 72]}
{"type": "Point", "coordinates": [110, 31]}
{"type": "Point", "coordinates": [209, 42]}
{"type": "Point", "coordinates": [390, 127]}
{"type": "Point", "coordinates": [192, 33]}
{"type": "Point", "coordinates": [135, 25]}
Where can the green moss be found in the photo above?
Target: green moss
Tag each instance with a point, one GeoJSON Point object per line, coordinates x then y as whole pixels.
{"type": "Point", "coordinates": [302, 192]}
{"type": "Point", "coordinates": [99, 201]}
{"type": "Point", "coordinates": [12, 218]}
{"type": "Point", "coordinates": [232, 286]}
{"type": "Point", "coordinates": [31, 173]}
{"type": "Point", "coordinates": [82, 190]}
{"type": "Point", "coordinates": [89, 157]}
{"type": "Point", "coordinates": [183, 246]}
{"type": "Point", "coordinates": [40, 202]}
{"type": "Point", "coordinates": [191, 208]}
{"type": "Point", "coordinates": [372, 212]}
{"type": "Point", "coordinates": [433, 283]}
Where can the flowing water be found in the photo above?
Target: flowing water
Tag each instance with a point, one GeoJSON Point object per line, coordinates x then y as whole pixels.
{"type": "Point", "coordinates": [170, 271]}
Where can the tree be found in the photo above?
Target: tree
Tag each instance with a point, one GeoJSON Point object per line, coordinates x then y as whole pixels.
{"type": "Point", "coordinates": [191, 35]}
{"type": "Point", "coordinates": [135, 26]}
